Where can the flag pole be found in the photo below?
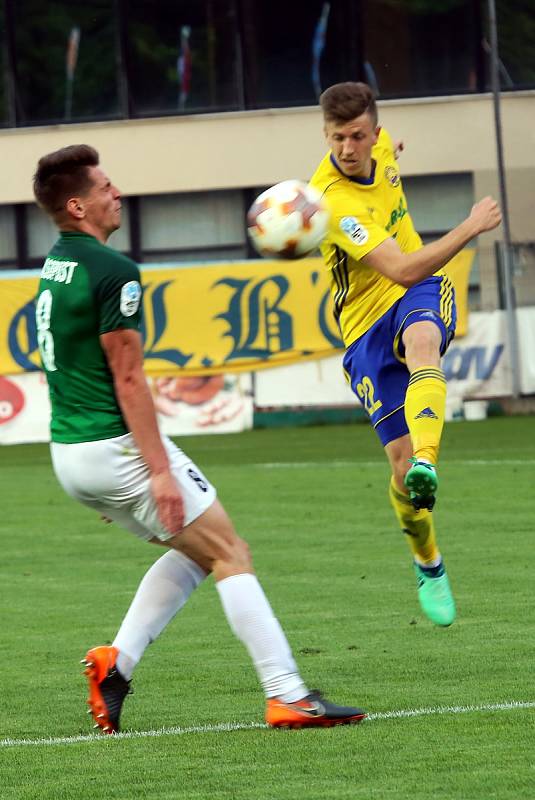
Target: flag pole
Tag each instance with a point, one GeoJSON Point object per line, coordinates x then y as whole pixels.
{"type": "Point", "coordinates": [506, 255]}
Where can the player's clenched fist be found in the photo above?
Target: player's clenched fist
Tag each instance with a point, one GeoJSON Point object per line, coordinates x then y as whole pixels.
{"type": "Point", "coordinates": [486, 214]}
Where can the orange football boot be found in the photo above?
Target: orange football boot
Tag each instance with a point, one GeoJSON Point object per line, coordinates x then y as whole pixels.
{"type": "Point", "coordinates": [313, 711]}
{"type": "Point", "coordinates": [107, 687]}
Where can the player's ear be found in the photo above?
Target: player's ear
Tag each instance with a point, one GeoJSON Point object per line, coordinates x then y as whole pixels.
{"type": "Point", "coordinates": [376, 133]}
{"type": "Point", "coordinates": [75, 207]}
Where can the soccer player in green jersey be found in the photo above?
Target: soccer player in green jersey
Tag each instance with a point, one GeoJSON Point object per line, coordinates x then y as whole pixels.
{"type": "Point", "coordinates": [395, 308]}
{"type": "Point", "coordinates": [108, 453]}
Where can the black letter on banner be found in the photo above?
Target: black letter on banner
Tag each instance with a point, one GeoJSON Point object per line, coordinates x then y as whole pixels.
{"type": "Point", "coordinates": [159, 323]}
{"type": "Point", "coordinates": [25, 316]}
{"type": "Point", "coordinates": [265, 318]}
{"type": "Point", "coordinates": [333, 340]}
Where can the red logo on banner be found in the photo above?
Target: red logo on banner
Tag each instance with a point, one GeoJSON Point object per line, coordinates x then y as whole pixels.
{"type": "Point", "coordinates": [11, 400]}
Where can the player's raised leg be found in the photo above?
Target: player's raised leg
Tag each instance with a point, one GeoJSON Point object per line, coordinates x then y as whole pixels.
{"type": "Point", "coordinates": [425, 408]}
{"type": "Point", "coordinates": [434, 593]}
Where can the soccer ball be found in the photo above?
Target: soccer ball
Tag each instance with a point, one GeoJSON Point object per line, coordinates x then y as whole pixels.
{"type": "Point", "coordinates": [289, 220]}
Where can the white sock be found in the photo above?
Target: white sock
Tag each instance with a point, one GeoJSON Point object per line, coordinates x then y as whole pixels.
{"type": "Point", "coordinates": [435, 562]}
{"type": "Point", "coordinates": [162, 592]}
{"type": "Point", "coordinates": [252, 620]}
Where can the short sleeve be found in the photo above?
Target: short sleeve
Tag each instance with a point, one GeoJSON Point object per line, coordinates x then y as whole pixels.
{"type": "Point", "coordinates": [384, 144]}
{"type": "Point", "coordinates": [118, 295]}
{"type": "Point", "coordinates": [352, 227]}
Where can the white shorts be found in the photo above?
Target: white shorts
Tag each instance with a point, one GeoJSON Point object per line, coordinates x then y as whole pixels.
{"type": "Point", "coordinates": [111, 477]}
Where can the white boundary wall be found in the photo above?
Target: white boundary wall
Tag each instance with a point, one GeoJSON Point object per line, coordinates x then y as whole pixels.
{"type": "Point", "coordinates": [476, 367]}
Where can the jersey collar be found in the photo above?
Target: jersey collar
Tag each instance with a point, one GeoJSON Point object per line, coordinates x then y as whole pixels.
{"type": "Point", "coordinates": [75, 235]}
{"type": "Point", "coordinates": [362, 181]}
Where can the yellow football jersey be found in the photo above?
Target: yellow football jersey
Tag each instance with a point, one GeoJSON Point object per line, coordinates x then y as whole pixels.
{"type": "Point", "coordinates": [364, 213]}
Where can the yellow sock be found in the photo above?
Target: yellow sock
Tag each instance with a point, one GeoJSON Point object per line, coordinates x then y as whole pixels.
{"type": "Point", "coordinates": [417, 526]}
{"type": "Point", "coordinates": [425, 409]}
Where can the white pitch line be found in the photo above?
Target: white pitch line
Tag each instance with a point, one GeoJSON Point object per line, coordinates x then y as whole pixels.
{"type": "Point", "coordinates": [316, 464]}
{"type": "Point", "coordinates": [223, 727]}
{"type": "Point", "coordinates": [220, 727]}
{"type": "Point", "coordinates": [425, 712]}
{"type": "Point", "coordinates": [383, 463]}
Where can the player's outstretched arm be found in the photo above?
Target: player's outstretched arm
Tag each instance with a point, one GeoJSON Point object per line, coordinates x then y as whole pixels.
{"type": "Point", "coordinates": [124, 354]}
{"type": "Point", "coordinates": [410, 268]}
{"type": "Point", "coordinates": [398, 147]}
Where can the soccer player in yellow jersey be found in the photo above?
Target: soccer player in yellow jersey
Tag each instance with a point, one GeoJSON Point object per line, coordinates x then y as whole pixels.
{"type": "Point", "coordinates": [396, 311]}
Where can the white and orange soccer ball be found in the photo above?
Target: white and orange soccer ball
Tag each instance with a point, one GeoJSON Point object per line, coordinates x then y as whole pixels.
{"type": "Point", "coordinates": [289, 220]}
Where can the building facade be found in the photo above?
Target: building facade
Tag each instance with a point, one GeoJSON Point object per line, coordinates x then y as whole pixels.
{"type": "Point", "coordinates": [197, 106]}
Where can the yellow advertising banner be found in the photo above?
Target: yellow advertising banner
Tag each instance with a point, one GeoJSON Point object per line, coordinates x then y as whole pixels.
{"type": "Point", "coordinates": [199, 321]}
{"type": "Point", "coordinates": [231, 317]}
{"type": "Point", "coordinates": [458, 270]}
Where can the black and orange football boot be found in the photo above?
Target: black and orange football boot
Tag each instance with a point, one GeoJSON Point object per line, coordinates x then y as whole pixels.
{"type": "Point", "coordinates": [313, 711]}
{"type": "Point", "coordinates": [107, 687]}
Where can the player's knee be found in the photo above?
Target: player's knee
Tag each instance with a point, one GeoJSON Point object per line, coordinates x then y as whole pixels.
{"type": "Point", "coordinates": [422, 342]}
{"type": "Point", "coordinates": [241, 554]}
{"type": "Point", "coordinates": [234, 559]}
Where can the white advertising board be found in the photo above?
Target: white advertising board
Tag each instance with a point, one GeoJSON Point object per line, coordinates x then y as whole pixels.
{"type": "Point", "coordinates": [478, 366]}
{"type": "Point", "coordinates": [219, 404]}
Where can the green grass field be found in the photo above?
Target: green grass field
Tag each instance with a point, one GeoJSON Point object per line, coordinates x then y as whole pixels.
{"type": "Point", "coordinates": [313, 505]}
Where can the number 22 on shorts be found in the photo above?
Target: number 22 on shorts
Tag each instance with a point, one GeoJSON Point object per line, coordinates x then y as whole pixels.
{"type": "Point", "coordinates": [366, 392]}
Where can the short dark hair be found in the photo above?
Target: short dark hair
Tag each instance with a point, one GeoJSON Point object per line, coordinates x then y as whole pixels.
{"type": "Point", "coordinates": [344, 102]}
{"type": "Point", "coordinates": [63, 174]}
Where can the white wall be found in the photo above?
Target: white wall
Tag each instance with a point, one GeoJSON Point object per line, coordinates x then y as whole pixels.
{"type": "Point", "coordinates": [256, 148]}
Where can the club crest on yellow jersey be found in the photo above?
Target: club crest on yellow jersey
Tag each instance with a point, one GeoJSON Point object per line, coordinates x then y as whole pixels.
{"type": "Point", "coordinates": [392, 176]}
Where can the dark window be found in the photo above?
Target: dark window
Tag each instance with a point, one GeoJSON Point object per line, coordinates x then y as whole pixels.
{"type": "Point", "coordinates": [8, 238]}
{"type": "Point", "coordinates": [193, 226]}
{"type": "Point", "coordinates": [182, 57]}
{"type": "Point", "coordinates": [65, 56]}
{"type": "Point", "coordinates": [516, 43]}
{"type": "Point", "coordinates": [4, 66]}
{"type": "Point", "coordinates": [134, 58]}
{"type": "Point", "coordinates": [292, 51]}
{"type": "Point", "coordinates": [420, 47]}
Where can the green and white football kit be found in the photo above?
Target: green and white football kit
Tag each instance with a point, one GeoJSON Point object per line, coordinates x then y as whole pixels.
{"type": "Point", "coordinates": [87, 289]}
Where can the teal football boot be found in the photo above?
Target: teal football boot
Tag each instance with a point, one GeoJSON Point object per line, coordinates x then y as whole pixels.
{"type": "Point", "coordinates": [434, 594]}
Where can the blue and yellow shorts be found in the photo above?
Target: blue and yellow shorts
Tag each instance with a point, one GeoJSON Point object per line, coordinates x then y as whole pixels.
{"type": "Point", "coordinates": [375, 363]}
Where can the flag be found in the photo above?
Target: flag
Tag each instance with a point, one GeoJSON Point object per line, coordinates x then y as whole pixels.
{"type": "Point", "coordinates": [183, 66]}
{"type": "Point", "coordinates": [71, 60]}
{"type": "Point", "coordinates": [318, 43]}
{"type": "Point", "coordinates": [72, 52]}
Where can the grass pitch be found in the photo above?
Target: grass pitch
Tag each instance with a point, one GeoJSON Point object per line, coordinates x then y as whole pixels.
{"type": "Point", "coordinates": [313, 505]}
